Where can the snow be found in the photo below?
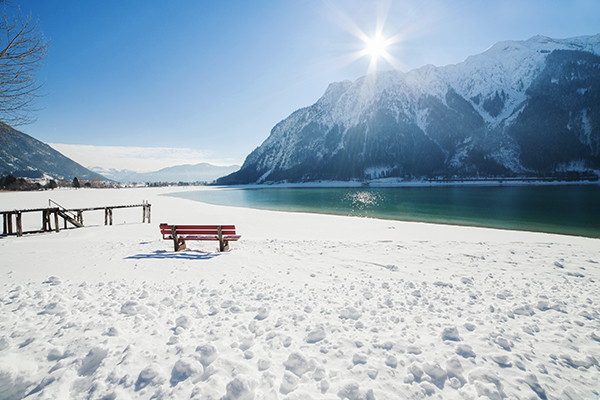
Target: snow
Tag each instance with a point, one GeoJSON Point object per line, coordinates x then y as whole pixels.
{"type": "Point", "coordinates": [509, 66]}
{"type": "Point", "coordinates": [587, 127]}
{"type": "Point", "coordinates": [377, 172]}
{"type": "Point", "coordinates": [302, 307]}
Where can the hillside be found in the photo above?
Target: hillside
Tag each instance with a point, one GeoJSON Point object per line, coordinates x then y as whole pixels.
{"type": "Point", "coordinates": [25, 156]}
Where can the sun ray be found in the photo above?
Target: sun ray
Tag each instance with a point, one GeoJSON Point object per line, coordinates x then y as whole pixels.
{"type": "Point", "coordinates": [376, 44]}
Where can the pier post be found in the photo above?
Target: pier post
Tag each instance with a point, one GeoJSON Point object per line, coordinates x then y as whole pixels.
{"type": "Point", "coordinates": [19, 224]}
{"type": "Point", "coordinates": [145, 211]}
{"type": "Point", "coordinates": [80, 216]}
{"type": "Point", "coordinates": [108, 216]}
{"type": "Point", "coordinates": [56, 221]}
{"type": "Point", "coordinates": [47, 224]}
{"type": "Point", "coordinates": [5, 225]}
{"type": "Point", "coordinates": [10, 228]}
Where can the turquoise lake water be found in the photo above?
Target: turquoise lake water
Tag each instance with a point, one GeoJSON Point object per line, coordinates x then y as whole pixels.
{"type": "Point", "coordinates": [572, 210]}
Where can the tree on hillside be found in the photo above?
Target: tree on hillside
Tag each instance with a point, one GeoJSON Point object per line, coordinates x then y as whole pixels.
{"type": "Point", "coordinates": [22, 50]}
{"type": "Point", "coordinates": [52, 184]}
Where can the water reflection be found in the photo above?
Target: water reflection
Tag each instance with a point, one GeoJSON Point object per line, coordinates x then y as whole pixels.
{"type": "Point", "coordinates": [363, 200]}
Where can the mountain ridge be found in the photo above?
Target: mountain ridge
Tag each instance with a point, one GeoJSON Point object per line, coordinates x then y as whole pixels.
{"type": "Point", "coordinates": [465, 119]}
{"type": "Point", "coordinates": [23, 155]}
{"type": "Point", "coordinates": [201, 172]}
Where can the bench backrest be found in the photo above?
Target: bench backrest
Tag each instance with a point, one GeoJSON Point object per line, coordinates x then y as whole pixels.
{"type": "Point", "coordinates": [165, 229]}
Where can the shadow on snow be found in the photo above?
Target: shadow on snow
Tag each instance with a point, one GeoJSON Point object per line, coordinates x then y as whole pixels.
{"type": "Point", "coordinates": [180, 255]}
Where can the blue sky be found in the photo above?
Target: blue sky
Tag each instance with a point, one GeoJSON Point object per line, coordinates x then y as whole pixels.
{"type": "Point", "coordinates": [214, 77]}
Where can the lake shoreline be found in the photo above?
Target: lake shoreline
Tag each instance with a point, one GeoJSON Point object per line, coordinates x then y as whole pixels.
{"type": "Point", "coordinates": [395, 183]}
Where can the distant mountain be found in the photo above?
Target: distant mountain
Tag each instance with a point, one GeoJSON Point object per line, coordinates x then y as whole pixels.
{"type": "Point", "coordinates": [202, 172]}
{"type": "Point", "coordinates": [113, 174]}
{"type": "Point", "coordinates": [519, 108]}
{"type": "Point", "coordinates": [24, 156]}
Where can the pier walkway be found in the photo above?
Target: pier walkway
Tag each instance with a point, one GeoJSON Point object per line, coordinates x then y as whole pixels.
{"type": "Point", "coordinates": [55, 212]}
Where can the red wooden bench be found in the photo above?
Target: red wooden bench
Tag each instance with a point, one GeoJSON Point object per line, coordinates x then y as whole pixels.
{"type": "Point", "coordinates": [181, 233]}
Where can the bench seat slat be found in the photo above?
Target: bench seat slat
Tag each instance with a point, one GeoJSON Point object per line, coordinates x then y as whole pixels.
{"type": "Point", "coordinates": [190, 232]}
{"type": "Point", "coordinates": [198, 230]}
{"type": "Point", "coordinates": [206, 237]}
{"type": "Point", "coordinates": [196, 227]}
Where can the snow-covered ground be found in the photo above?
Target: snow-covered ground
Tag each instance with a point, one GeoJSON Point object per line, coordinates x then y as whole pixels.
{"type": "Point", "coordinates": [302, 307]}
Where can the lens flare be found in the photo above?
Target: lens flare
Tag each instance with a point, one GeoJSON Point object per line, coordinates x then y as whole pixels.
{"type": "Point", "coordinates": [376, 45]}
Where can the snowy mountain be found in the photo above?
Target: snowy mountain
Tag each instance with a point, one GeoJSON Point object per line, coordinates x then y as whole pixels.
{"type": "Point", "coordinates": [519, 108]}
{"type": "Point", "coordinates": [24, 156]}
{"type": "Point", "coordinates": [202, 172]}
{"type": "Point", "coordinates": [112, 173]}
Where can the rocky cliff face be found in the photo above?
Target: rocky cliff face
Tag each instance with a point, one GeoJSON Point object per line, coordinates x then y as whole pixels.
{"type": "Point", "coordinates": [519, 108]}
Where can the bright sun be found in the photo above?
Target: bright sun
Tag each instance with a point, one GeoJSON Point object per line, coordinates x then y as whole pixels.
{"type": "Point", "coordinates": [376, 47]}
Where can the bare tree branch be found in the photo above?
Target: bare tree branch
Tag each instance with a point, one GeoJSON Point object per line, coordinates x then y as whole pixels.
{"type": "Point", "coordinates": [22, 51]}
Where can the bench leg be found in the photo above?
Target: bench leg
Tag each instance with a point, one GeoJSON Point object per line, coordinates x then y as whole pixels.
{"type": "Point", "coordinates": [178, 243]}
{"type": "Point", "coordinates": [223, 245]}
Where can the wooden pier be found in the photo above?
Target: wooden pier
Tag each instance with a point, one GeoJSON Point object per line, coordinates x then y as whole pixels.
{"type": "Point", "coordinates": [55, 212]}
